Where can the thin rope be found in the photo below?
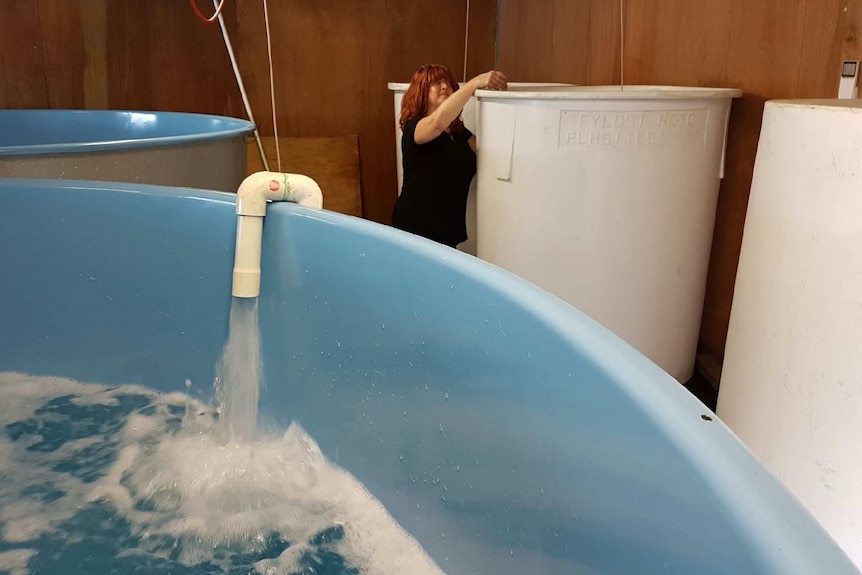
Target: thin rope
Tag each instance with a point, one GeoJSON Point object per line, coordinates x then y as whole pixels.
{"type": "Point", "coordinates": [271, 84]}
{"type": "Point", "coordinates": [622, 45]}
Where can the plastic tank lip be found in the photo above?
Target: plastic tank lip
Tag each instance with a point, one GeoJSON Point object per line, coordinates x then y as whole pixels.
{"type": "Point", "coordinates": [196, 128]}
{"type": "Point", "coordinates": [99, 186]}
{"type": "Point", "coordinates": [520, 86]}
{"type": "Point", "coordinates": [614, 92]}
{"type": "Point", "coordinates": [853, 106]}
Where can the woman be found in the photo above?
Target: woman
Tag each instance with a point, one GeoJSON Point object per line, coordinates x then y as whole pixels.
{"type": "Point", "coordinates": [439, 154]}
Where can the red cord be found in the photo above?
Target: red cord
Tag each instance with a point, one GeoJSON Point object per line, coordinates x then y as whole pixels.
{"type": "Point", "coordinates": [204, 18]}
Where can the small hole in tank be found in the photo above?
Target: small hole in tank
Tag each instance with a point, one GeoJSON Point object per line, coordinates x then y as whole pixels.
{"type": "Point", "coordinates": [706, 418]}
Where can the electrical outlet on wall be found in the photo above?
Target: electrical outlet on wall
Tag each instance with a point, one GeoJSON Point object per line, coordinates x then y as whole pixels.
{"type": "Point", "coordinates": [847, 87]}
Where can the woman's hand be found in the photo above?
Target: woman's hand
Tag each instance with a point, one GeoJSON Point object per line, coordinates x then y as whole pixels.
{"type": "Point", "coordinates": [492, 80]}
{"type": "Point", "coordinates": [432, 125]}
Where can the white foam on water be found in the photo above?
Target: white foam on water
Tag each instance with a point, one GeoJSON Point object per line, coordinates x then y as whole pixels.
{"type": "Point", "coordinates": [193, 487]}
{"type": "Point", "coordinates": [15, 562]}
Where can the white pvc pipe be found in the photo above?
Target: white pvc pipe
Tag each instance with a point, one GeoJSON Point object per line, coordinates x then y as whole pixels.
{"type": "Point", "coordinates": [252, 196]}
{"type": "Point", "coordinates": [246, 267]}
{"type": "Point", "coordinates": [259, 187]}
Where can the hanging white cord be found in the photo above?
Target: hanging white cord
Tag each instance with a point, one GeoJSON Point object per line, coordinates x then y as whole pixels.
{"type": "Point", "coordinates": [241, 85]}
{"type": "Point", "coordinates": [466, 36]}
{"type": "Point", "coordinates": [271, 84]}
{"type": "Point", "coordinates": [622, 46]}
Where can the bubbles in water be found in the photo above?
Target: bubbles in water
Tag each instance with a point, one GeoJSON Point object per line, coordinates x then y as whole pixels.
{"type": "Point", "coordinates": [124, 479]}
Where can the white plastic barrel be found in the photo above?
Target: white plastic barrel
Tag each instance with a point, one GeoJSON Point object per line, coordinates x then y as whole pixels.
{"type": "Point", "coordinates": [791, 385]}
{"type": "Point", "coordinates": [469, 118]}
{"type": "Point", "coordinates": [606, 198]}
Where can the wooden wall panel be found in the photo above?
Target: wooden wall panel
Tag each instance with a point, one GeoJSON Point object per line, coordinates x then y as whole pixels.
{"type": "Point", "coordinates": [22, 55]}
{"type": "Point", "coordinates": [768, 48]}
{"type": "Point", "coordinates": [94, 29]}
{"type": "Point", "coordinates": [189, 58]}
{"type": "Point", "coordinates": [160, 57]}
{"type": "Point", "coordinates": [603, 43]}
{"type": "Point", "coordinates": [332, 62]}
{"type": "Point", "coordinates": [482, 36]}
{"type": "Point", "coordinates": [821, 48]}
{"type": "Point", "coordinates": [850, 29]}
{"type": "Point", "coordinates": [776, 51]}
{"type": "Point", "coordinates": [64, 57]}
{"type": "Point", "coordinates": [128, 46]}
{"type": "Point", "coordinates": [556, 52]}
{"type": "Point", "coordinates": [677, 42]}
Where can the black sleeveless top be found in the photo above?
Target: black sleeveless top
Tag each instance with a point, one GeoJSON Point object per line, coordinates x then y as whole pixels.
{"type": "Point", "coordinates": [437, 177]}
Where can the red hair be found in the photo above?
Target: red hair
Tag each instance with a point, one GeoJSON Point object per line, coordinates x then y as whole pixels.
{"type": "Point", "coordinates": [415, 101]}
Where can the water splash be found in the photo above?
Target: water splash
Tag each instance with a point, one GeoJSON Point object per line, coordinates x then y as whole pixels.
{"type": "Point", "coordinates": [100, 479]}
{"type": "Point", "coordinates": [238, 373]}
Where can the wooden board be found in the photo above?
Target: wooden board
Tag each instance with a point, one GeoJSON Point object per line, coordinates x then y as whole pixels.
{"type": "Point", "coordinates": [332, 162]}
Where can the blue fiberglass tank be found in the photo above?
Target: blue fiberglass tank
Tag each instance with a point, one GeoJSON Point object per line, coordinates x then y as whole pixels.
{"type": "Point", "coordinates": [501, 428]}
{"type": "Point", "coordinates": [148, 147]}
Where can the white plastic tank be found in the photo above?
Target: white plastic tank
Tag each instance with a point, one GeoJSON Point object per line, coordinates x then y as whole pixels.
{"type": "Point", "coordinates": [469, 118]}
{"type": "Point", "coordinates": [606, 197]}
{"type": "Point", "coordinates": [791, 385]}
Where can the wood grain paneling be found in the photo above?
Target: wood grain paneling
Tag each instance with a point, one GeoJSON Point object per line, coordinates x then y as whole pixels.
{"type": "Point", "coordinates": [603, 44]}
{"type": "Point", "coordinates": [766, 65]}
{"type": "Point", "coordinates": [63, 50]}
{"type": "Point", "coordinates": [849, 29]}
{"type": "Point", "coordinates": [22, 55]}
{"type": "Point", "coordinates": [482, 36]}
{"type": "Point", "coordinates": [190, 58]}
{"type": "Point", "coordinates": [94, 29]}
{"type": "Point", "coordinates": [677, 42]}
{"type": "Point", "coordinates": [128, 46]}
{"type": "Point", "coordinates": [821, 48]}
{"type": "Point", "coordinates": [556, 52]}
{"type": "Point", "coordinates": [768, 48]}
